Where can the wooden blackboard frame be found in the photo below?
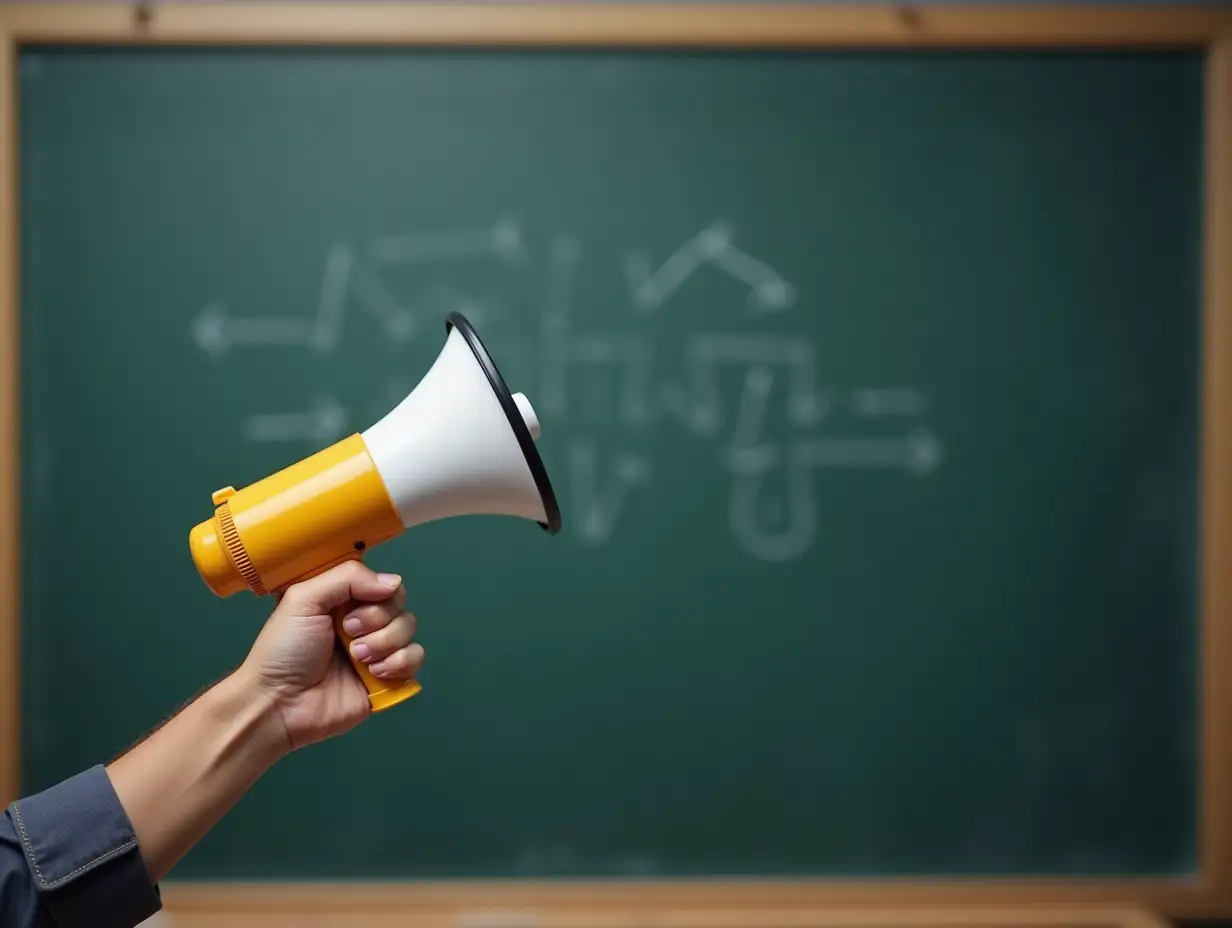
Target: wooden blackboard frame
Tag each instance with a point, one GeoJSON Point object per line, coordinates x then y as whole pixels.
{"type": "Point", "coordinates": [1131, 903]}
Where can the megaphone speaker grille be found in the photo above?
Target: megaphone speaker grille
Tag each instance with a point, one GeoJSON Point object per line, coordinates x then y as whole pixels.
{"type": "Point", "coordinates": [526, 441]}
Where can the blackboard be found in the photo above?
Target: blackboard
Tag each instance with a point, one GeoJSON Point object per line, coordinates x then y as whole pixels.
{"type": "Point", "coordinates": [869, 384]}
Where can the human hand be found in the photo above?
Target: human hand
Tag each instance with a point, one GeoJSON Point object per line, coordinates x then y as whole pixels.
{"type": "Point", "coordinates": [295, 662]}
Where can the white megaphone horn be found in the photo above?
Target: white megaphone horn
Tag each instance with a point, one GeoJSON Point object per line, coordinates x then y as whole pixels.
{"type": "Point", "coordinates": [459, 444]}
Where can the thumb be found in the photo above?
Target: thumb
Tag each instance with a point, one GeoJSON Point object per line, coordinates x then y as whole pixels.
{"type": "Point", "coordinates": [350, 580]}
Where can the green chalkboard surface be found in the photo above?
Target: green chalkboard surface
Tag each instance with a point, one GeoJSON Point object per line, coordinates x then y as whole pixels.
{"type": "Point", "coordinates": [869, 386]}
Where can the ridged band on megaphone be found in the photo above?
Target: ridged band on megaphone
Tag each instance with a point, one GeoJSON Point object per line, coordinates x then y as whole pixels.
{"type": "Point", "coordinates": [235, 549]}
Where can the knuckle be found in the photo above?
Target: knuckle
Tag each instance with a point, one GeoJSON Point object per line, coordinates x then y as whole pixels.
{"type": "Point", "coordinates": [292, 596]}
{"type": "Point", "coordinates": [384, 640]}
{"type": "Point", "coordinates": [401, 629]}
{"type": "Point", "coordinates": [397, 662]}
{"type": "Point", "coordinates": [379, 646]}
{"type": "Point", "coordinates": [352, 569]}
{"type": "Point", "coordinates": [300, 597]}
{"type": "Point", "coordinates": [397, 633]}
{"type": "Point", "coordinates": [374, 617]}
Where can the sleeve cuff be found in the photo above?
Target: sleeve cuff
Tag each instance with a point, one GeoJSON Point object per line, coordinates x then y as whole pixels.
{"type": "Point", "coordinates": [83, 853]}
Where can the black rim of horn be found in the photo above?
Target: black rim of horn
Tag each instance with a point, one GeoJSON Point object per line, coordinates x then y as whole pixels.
{"type": "Point", "coordinates": [456, 320]}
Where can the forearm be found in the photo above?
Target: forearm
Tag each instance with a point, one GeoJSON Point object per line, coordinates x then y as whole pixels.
{"type": "Point", "coordinates": [177, 784]}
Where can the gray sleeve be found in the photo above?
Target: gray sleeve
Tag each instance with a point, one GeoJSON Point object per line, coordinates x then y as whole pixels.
{"type": "Point", "coordinates": [69, 858]}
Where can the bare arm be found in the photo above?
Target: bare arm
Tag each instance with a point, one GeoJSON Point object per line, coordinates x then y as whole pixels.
{"type": "Point", "coordinates": [178, 783]}
{"type": "Point", "coordinates": [294, 688]}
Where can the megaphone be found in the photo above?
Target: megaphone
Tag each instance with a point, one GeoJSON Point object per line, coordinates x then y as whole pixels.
{"type": "Point", "coordinates": [459, 444]}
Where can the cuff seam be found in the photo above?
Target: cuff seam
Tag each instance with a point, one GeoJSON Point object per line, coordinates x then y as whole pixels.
{"type": "Point", "coordinates": [90, 864]}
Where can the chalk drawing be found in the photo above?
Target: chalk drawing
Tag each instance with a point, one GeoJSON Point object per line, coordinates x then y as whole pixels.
{"type": "Point", "coordinates": [729, 386]}
{"type": "Point", "coordinates": [887, 401]}
{"type": "Point", "coordinates": [596, 498]}
{"type": "Point", "coordinates": [628, 354]}
{"type": "Point", "coordinates": [699, 403]}
{"type": "Point", "coordinates": [398, 320]}
{"type": "Point", "coordinates": [216, 331]}
{"type": "Point", "coordinates": [754, 403]}
{"type": "Point", "coordinates": [502, 240]}
{"type": "Point", "coordinates": [749, 461]}
{"type": "Point", "coordinates": [750, 468]}
{"type": "Point", "coordinates": [649, 290]}
{"type": "Point", "coordinates": [325, 421]}
{"type": "Point", "coordinates": [919, 452]}
{"type": "Point", "coordinates": [563, 257]}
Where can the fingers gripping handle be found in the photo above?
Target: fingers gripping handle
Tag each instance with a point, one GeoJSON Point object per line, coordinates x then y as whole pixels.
{"type": "Point", "coordinates": [381, 693]}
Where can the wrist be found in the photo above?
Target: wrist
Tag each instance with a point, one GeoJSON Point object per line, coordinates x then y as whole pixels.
{"type": "Point", "coordinates": [250, 718]}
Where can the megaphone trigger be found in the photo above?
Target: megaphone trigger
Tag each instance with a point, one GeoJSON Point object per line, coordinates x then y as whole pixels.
{"type": "Point", "coordinates": [459, 444]}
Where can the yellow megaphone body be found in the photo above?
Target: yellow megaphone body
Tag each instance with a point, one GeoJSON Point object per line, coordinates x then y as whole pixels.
{"type": "Point", "coordinates": [459, 444]}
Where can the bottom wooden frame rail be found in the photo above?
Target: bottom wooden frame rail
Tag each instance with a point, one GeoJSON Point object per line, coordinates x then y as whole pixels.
{"type": "Point", "coordinates": [395, 905]}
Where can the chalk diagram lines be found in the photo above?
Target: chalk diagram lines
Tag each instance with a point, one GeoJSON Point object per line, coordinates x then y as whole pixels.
{"type": "Point", "coordinates": [503, 241]}
{"type": "Point", "coordinates": [598, 494]}
{"type": "Point", "coordinates": [713, 246]}
{"type": "Point", "coordinates": [352, 282]}
{"type": "Point", "coordinates": [325, 421]}
{"type": "Point", "coordinates": [563, 349]}
{"type": "Point", "coordinates": [599, 486]}
{"type": "Point", "coordinates": [751, 462]}
{"type": "Point", "coordinates": [217, 331]}
{"type": "Point", "coordinates": [726, 386]}
{"type": "Point", "coordinates": [698, 403]}
{"type": "Point", "coordinates": [770, 528]}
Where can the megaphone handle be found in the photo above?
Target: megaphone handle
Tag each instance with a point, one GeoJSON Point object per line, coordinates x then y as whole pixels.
{"type": "Point", "coordinates": [381, 694]}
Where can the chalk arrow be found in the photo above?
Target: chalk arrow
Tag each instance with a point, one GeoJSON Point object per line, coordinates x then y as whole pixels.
{"type": "Point", "coordinates": [325, 421]}
{"type": "Point", "coordinates": [919, 452]}
{"type": "Point", "coordinates": [502, 240]}
{"type": "Point", "coordinates": [216, 333]}
{"type": "Point", "coordinates": [598, 503]}
{"type": "Point", "coordinates": [650, 288]}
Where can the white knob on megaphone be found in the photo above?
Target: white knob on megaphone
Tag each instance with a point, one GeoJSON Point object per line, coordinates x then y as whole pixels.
{"type": "Point", "coordinates": [459, 444]}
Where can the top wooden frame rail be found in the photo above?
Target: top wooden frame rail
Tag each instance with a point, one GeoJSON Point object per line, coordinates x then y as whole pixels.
{"type": "Point", "coordinates": [702, 25]}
